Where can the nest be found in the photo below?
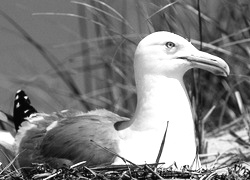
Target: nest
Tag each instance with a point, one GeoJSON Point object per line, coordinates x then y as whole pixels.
{"type": "Point", "coordinates": [126, 172]}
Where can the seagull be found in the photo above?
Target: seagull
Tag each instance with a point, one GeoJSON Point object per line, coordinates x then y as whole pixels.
{"type": "Point", "coordinates": [162, 120]}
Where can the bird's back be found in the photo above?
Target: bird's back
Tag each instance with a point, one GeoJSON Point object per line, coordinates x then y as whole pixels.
{"type": "Point", "coordinates": [69, 137]}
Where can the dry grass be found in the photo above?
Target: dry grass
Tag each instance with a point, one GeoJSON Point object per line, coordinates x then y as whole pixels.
{"type": "Point", "coordinates": [114, 172]}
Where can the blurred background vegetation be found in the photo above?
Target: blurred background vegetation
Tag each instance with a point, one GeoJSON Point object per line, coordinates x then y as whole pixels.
{"type": "Point", "coordinates": [79, 54]}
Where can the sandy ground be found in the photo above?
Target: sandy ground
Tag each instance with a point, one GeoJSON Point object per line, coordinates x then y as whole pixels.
{"type": "Point", "coordinates": [227, 149]}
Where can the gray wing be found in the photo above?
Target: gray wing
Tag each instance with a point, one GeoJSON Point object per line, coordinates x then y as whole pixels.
{"type": "Point", "coordinates": [76, 137]}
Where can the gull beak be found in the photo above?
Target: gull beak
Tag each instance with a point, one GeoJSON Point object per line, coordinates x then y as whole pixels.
{"type": "Point", "coordinates": [209, 63]}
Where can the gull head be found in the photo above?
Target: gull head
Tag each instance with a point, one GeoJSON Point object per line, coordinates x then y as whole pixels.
{"type": "Point", "coordinates": [168, 54]}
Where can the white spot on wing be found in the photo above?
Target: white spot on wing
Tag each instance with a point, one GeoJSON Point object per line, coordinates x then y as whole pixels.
{"type": "Point", "coordinates": [17, 105]}
{"type": "Point", "coordinates": [17, 97]}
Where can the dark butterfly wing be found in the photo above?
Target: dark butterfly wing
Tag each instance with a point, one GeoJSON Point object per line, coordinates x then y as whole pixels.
{"type": "Point", "coordinates": [22, 108]}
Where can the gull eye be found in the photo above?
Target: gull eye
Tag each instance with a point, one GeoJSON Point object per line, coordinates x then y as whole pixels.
{"type": "Point", "coordinates": [170, 45]}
